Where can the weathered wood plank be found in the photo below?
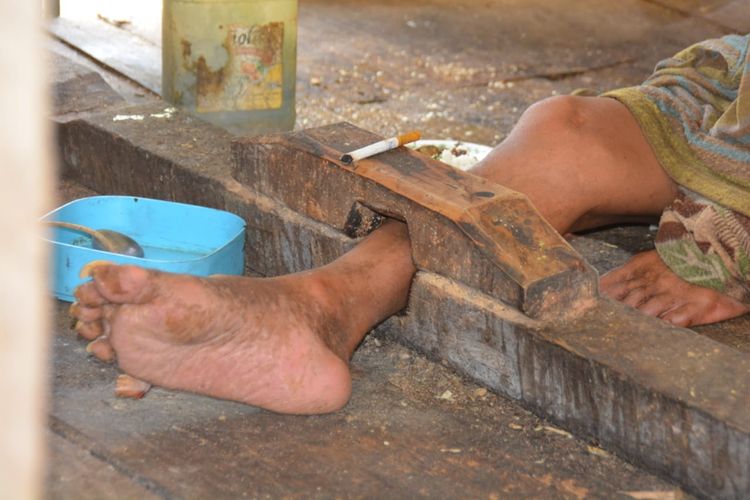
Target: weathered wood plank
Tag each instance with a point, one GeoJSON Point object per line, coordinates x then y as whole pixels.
{"type": "Point", "coordinates": [125, 53]}
{"type": "Point", "coordinates": [77, 90]}
{"type": "Point", "coordinates": [658, 395]}
{"type": "Point", "coordinates": [396, 438]}
{"type": "Point", "coordinates": [732, 15]}
{"type": "Point", "coordinates": [76, 474]}
{"type": "Point", "coordinates": [461, 226]}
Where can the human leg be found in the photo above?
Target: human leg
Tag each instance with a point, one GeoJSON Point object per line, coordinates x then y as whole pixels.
{"type": "Point", "coordinates": [584, 162]}
{"type": "Point", "coordinates": [279, 343]}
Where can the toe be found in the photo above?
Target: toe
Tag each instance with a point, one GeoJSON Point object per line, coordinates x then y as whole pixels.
{"type": "Point", "coordinates": [89, 329]}
{"type": "Point", "coordinates": [88, 269]}
{"type": "Point", "coordinates": [616, 284]}
{"type": "Point", "coordinates": [679, 316]}
{"type": "Point", "coordinates": [613, 289]}
{"type": "Point", "coordinates": [131, 387]}
{"type": "Point", "coordinates": [85, 314]}
{"type": "Point", "coordinates": [88, 295]}
{"type": "Point", "coordinates": [709, 306]}
{"type": "Point", "coordinates": [635, 296]}
{"type": "Point", "coordinates": [102, 349]}
{"type": "Point", "coordinates": [124, 284]}
{"type": "Point", "coordinates": [658, 305]}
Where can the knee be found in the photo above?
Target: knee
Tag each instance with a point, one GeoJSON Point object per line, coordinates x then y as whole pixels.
{"type": "Point", "coordinates": [559, 117]}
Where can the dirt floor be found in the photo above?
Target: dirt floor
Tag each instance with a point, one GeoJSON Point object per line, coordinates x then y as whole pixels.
{"type": "Point", "coordinates": [461, 70]}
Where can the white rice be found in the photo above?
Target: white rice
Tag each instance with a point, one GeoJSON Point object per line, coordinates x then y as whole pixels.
{"type": "Point", "coordinates": [460, 155]}
{"type": "Point", "coordinates": [461, 162]}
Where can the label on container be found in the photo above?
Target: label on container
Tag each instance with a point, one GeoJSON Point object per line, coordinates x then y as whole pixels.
{"type": "Point", "coordinates": [252, 77]}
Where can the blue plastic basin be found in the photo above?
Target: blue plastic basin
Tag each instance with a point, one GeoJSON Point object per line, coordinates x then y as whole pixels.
{"type": "Point", "coordinates": [175, 237]}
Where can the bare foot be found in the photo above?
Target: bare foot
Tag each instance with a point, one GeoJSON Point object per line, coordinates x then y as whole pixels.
{"type": "Point", "coordinates": [647, 284]}
{"type": "Point", "coordinates": [278, 343]}
{"type": "Point", "coordinates": [266, 342]}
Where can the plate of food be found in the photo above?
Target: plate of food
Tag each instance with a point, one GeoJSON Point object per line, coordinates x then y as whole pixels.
{"type": "Point", "coordinates": [458, 154]}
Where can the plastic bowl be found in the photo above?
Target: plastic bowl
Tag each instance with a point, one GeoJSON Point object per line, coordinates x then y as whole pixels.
{"type": "Point", "coordinates": [175, 237]}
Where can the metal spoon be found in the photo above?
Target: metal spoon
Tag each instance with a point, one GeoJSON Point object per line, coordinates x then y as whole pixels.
{"type": "Point", "coordinates": [105, 239]}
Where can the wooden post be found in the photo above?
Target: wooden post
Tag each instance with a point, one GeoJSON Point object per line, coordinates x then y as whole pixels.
{"type": "Point", "coordinates": [25, 186]}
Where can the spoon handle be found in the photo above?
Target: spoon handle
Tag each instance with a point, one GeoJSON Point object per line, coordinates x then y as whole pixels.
{"type": "Point", "coordinates": [102, 240]}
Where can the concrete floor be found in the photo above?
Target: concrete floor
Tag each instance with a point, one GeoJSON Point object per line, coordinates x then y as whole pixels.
{"type": "Point", "coordinates": [458, 70]}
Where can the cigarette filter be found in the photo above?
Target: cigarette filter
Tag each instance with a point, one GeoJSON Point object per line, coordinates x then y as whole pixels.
{"type": "Point", "coordinates": [380, 147]}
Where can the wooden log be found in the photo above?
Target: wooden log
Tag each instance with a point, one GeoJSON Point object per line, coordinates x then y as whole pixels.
{"type": "Point", "coordinates": [461, 226]}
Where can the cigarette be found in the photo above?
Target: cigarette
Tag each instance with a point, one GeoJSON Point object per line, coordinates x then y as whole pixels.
{"type": "Point", "coordinates": [380, 147]}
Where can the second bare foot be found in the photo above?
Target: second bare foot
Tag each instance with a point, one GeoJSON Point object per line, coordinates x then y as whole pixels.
{"type": "Point", "coordinates": [647, 284]}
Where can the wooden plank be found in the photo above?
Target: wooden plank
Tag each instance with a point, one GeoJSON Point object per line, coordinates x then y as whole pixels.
{"type": "Point", "coordinates": [77, 90]}
{"type": "Point", "coordinates": [401, 436]}
{"type": "Point", "coordinates": [75, 473]}
{"type": "Point", "coordinates": [732, 15]}
{"type": "Point", "coordinates": [649, 391]}
{"type": "Point", "coordinates": [461, 226]}
{"type": "Point", "coordinates": [120, 50]}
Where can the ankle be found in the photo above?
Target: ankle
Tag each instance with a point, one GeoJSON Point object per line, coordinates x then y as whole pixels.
{"type": "Point", "coordinates": [334, 324]}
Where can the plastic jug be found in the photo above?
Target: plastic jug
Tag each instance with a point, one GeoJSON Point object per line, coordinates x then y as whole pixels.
{"type": "Point", "coordinates": [232, 62]}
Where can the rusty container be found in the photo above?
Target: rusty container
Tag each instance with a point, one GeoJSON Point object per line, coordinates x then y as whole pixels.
{"type": "Point", "coordinates": [232, 63]}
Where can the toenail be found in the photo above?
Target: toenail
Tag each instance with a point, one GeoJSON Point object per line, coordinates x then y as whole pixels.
{"type": "Point", "coordinates": [131, 387]}
{"type": "Point", "coordinates": [87, 271]}
{"type": "Point", "coordinates": [101, 349]}
{"type": "Point", "coordinates": [103, 336]}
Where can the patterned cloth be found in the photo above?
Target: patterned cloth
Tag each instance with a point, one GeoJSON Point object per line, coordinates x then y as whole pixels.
{"type": "Point", "coordinates": [695, 111]}
{"type": "Point", "coordinates": [707, 245]}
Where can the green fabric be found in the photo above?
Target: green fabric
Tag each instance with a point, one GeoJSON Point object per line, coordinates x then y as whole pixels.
{"type": "Point", "coordinates": [706, 245]}
{"type": "Point", "coordinates": [687, 261]}
{"type": "Point", "coordinates": [695, 111]}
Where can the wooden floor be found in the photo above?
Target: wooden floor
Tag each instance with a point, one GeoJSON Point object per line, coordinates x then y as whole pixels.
{"type": "Point", "coordinates": [461, 70]}
{"type": "Point", "coordinates": [412, 429]}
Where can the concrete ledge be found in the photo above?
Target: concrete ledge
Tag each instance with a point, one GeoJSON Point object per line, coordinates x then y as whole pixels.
{"type": "Point", "coordinates": [664, 397]}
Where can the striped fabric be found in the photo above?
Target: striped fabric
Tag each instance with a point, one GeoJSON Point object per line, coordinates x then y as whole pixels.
{"type": "Point", "coordinates": [695, 111]}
